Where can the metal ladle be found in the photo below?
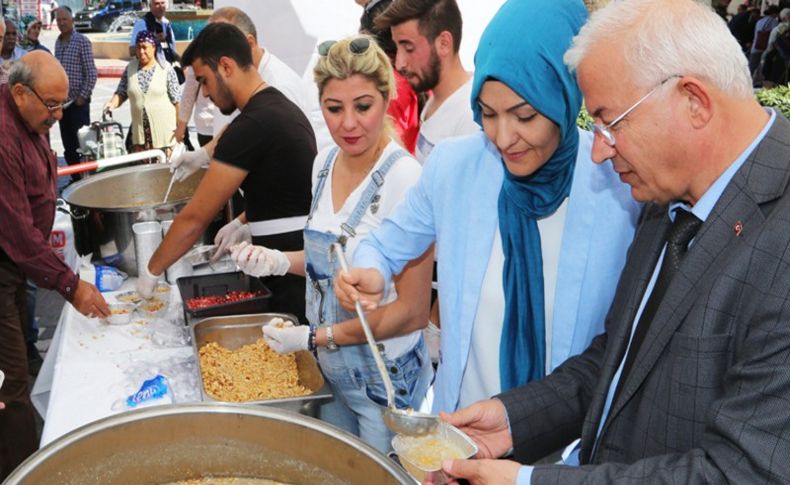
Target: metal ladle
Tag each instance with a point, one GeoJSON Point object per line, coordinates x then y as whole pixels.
{"type": "Point", "coordinates": [404, 421]}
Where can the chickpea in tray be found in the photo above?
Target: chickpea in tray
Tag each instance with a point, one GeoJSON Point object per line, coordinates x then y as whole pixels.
{"type": "Point", "coordinates": [252, 372]}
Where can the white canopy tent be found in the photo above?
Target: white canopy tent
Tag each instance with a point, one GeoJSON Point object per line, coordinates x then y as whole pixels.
{"type": "Point", "coordinates": [291, 29]}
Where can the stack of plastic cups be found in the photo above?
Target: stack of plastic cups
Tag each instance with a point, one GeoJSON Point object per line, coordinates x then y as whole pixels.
{"type": "Point", "coordinates": [180, 268]}
{"type": "Point", "coordinates": [147, 237]}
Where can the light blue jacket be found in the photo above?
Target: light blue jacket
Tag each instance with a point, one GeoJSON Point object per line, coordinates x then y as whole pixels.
{"type": "Point", "coordinates": [455, 204]}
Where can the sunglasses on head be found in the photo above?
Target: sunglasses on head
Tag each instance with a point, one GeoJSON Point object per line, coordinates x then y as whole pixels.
{"type": "Point", "coordinates": [357, 46]}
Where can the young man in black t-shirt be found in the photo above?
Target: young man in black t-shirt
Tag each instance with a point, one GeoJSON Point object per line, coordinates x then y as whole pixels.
{"type": "Point", "coordinates": [268, 151]}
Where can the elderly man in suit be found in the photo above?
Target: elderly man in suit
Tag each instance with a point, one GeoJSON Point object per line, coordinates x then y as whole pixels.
{"type": "Point", "coordinates": [690, 382]}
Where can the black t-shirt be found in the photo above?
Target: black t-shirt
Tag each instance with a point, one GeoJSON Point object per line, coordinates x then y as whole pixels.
{"type": "Point", "coordinates": [273, 141]}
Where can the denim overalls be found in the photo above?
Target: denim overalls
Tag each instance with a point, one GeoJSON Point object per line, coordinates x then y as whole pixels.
{"type": "Point", "coordinates": [350, 370]}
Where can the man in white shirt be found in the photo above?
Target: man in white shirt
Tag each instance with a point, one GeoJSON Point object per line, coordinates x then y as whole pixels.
{"type": "Point", "coordinates": [428, 36]}
{"type": "Point", "coordinates": [274, 71]}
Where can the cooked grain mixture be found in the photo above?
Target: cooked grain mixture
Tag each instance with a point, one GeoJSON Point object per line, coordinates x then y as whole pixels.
{"type": "Point", "coordinates": [251, 373]}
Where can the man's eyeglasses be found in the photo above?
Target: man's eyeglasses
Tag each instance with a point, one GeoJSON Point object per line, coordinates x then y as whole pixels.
{"type": "Point", "coordinates": [357, 46]}
{"type": "Point", "coordinates": [51, 107]}
{"type": "Point", "coordinates": [605, 130]}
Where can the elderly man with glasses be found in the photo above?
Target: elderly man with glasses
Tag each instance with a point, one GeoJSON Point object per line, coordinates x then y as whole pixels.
{"type": "Point", "coordinates": [31, 102]}
{"type": "Point", "coordinates": [690, 382]}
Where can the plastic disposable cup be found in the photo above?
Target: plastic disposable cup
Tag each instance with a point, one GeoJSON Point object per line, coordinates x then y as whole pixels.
{"type": "Point", "coordinates": [120, 313]}
{"type": "Point", "coordinates": [180, 268]}
{"type": "Point", "coordinates": [147, 237]}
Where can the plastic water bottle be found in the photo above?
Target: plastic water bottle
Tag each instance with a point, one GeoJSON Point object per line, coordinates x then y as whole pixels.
{"type": "Point", "coordinates": [190, 33]}
{"type": "Point", "coordinates": [109, 278]}
{"type": "Point", "coordinates": [106, 278]}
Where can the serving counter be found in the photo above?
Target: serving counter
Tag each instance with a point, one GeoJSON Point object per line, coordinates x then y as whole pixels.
{"type": "Point", "coordinates": [91, 366]}
{"type": "Point", "coordinates": [84, 373]}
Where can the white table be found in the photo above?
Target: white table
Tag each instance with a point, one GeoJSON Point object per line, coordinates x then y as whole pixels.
{"type": "Point", "coordinates": [84, 372]}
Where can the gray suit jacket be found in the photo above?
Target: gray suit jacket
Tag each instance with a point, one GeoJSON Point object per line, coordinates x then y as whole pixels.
{"type": "Point", "coordinates": [708, 398]}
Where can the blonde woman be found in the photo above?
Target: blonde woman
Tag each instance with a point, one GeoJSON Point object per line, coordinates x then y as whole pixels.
{"type": "Point", "coordinates": [356, 184]}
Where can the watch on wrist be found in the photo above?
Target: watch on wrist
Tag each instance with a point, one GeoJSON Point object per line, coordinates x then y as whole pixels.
{"type": "Point", "coordinates": [330, 339]}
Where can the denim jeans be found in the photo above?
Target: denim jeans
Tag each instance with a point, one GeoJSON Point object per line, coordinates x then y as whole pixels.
{"type": "Point", "coordinates": [359, 393]}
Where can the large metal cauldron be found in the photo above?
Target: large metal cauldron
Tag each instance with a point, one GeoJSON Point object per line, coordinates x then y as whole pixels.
{"type": "Point", "coordinates": [168, 443]}
{"type": "Point", "coordinates": [103, 208]}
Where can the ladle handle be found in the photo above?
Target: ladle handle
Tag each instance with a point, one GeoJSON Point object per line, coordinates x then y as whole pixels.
{"type": "Point", "coordinates": [170, 186]}
{"type": "Point", "coordinates": [341, 257]}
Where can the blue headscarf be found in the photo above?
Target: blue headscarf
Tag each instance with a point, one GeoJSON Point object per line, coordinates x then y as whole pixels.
{"type": "Point", "coordinates": [148, 37]}
{"type": "Point", "coordinates": [523, 47]}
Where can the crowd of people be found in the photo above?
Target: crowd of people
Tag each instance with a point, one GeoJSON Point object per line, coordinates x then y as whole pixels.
{"type": "Point", "coordinates": [760, 31]}
{"type": "Point", "coordinates": [617, 291]}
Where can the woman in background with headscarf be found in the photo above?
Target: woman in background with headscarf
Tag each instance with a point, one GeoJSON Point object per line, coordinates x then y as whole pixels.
{"type": "Point", "coordinates": [154, 93]}
{"type": "Point", "coordinates": [31, 29]}
{"type": "Point", "coordinates": [529, 229]}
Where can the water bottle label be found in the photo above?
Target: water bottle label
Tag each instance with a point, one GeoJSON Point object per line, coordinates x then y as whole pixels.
{"type": "Point", "coordinates": [109, 278]}
{"type": "Point", "coordinates": [57, 240]}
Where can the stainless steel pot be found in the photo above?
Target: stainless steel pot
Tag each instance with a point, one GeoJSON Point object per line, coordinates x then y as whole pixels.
{"type": "Point", "coordinates": [103, 208]}
{"type": "Point", "coordinates": [169, 443]}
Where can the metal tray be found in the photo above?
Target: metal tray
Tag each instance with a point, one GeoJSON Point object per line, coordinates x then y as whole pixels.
{"type": "Point", "coordinates": [235, 331]}
{"type": "Point", "coordinates": [219, 284]}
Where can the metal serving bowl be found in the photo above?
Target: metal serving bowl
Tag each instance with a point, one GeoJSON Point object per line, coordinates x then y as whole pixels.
{"type": "Point", "coordinates": [104, 207]}
{"type": "Point", "coordinates": [177, 442]}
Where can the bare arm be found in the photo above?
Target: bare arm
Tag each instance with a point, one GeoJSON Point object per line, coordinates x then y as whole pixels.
{"type": "Point", "coordinates": [409, 312]}
{"type": "Point", "coordinates": [218, 185]}
{"type": "Point", "coordinates": [212, 145]}
{"type": "Point", "coordinates": [296, 258]}
{"type": "Point", "coordinates": [114, 102]}
{"type": "Point", "coordinates": [175, 132]}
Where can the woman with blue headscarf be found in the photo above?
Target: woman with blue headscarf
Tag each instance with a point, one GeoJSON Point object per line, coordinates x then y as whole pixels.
{"type": "Point", "coordinates": [523, 221]}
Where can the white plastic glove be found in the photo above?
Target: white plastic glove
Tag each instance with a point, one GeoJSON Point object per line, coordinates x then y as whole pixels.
{"type": "Point", "coordinates": [188, 163]}
{"type": "Point", "coordinates": [231, 233]}
{"type": "Point", "coordinates": [259, 260]}
{"type": "Point", "coordinates": [146, 283]}
{"type": "Point", "coordinates": [284, 338]}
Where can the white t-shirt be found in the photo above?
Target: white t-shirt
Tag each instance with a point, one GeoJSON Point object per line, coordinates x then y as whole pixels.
{"type": "Point", "coordinates": [401, 176]}
{"type": "Point", "coordinates": [276, 73]}
{"type": "Point", "coordinates": [481, 378]}
{"type": "Point", "coordinates": [452, 118]}
{"type": "Point", "coordinates": [192, 99]}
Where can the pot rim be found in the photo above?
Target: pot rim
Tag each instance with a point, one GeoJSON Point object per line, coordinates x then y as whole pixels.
{"type": "Point", "coordinates": [85, 431]}
{"type": "Point", "coordinates": [170, 204]}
